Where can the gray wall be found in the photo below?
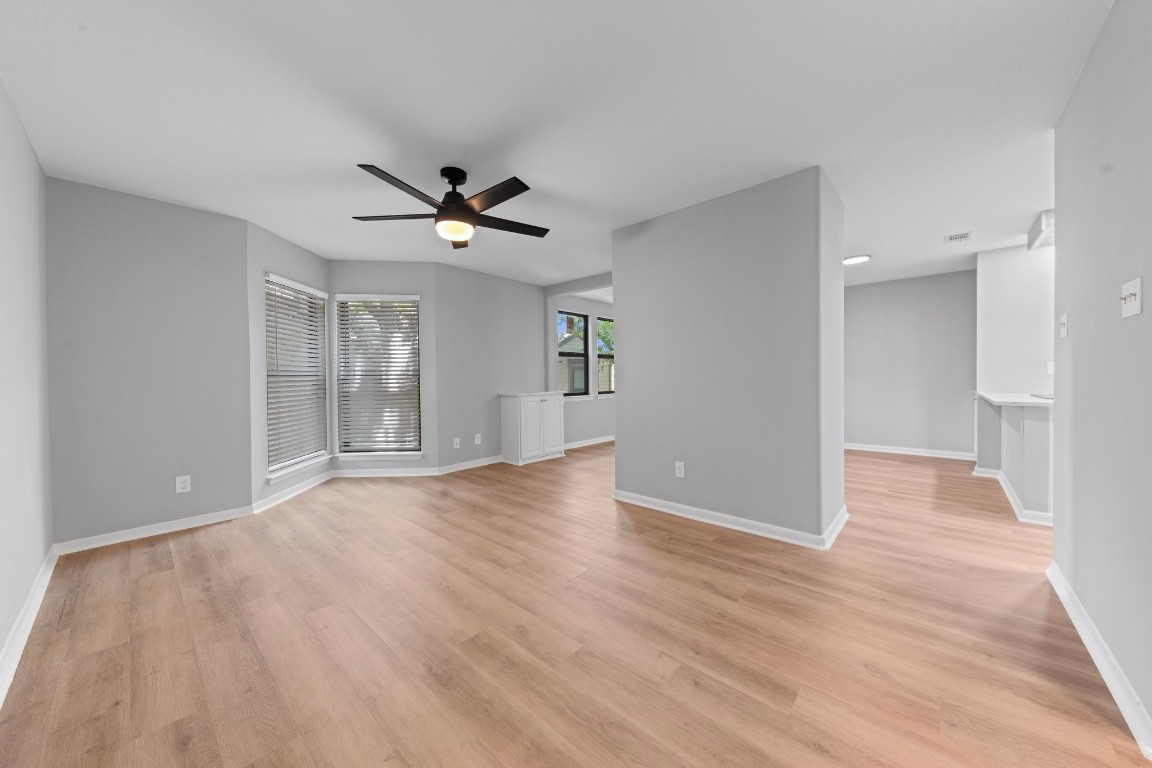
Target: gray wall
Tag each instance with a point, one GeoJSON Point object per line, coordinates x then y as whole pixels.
{"type": "Point", "coordinates": [488, 341]}
{"type": "Point", "coordinates": [1024, 454]}
{"type": "Point", "coordinates": [25, 519]}
{"type": "Point", "coordinates": [147, 360]}
{"type": "Point", "coordinates": [736, 389]}
{"type": "Point", "coordinates": [1103, 412]}
{"type": "Point", "coordinates": [910, 362]}
{"type": "Point", "coordinates": [585, 418]}
{"type": "Point", "coordinates": [270, 253]}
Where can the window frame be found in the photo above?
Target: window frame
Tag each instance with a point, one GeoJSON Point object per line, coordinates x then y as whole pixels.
{"type": "Point", "coordinates": [343, 455]}
{"type": "Point", "coordinates": [579, 355]}
{"type": "Point", "coordinates": [297, 463]}
{"type": "Point", "coordinates": [600, 357]}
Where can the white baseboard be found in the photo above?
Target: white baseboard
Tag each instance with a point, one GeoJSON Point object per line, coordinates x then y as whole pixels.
{"type": "Point", "coordinates": [593, 441]}
{"type": "Point", "coordinates": [961, 455]}
{"type": "Point", "coordinates": [484, 462]}
{"type": "Point", "coordinates": [287, 493]}
{"type": "Point", "coordinates": [417, 471]}
{"type": "Point", "coordinates": [17, 638]}
{"type": "Point", "coordinates": [1023, 515]}
{"type": "Point", "coordinates": [1133, 710]}
{"type": "Point", "coordinates": [144, 531]}
{"type": "Point", "coordinates": [779, 533]}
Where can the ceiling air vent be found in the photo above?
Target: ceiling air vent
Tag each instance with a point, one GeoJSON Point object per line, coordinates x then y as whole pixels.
{"type": "Point", "coordinates": [959, 237]}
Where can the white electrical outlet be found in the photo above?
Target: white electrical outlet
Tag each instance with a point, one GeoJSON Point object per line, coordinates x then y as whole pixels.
{"type": "Point", "coordinates": [455, 442]}
{"type": "Point", "coordinates": [477, 438]}
{"type": "Point", "coordinates": [184, 484]}
{"type": "Point", "coordinates": [1063, 326]}
{"type": "Point", "coordinates": [1132, 297]}
{"type": "Point", "coordinates": [680, 469]}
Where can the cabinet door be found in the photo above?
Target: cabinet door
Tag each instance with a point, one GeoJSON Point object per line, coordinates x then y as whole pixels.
{"type": "Point", "coordinates": [531, 429]}
{"type": "Point", "coordinates": [553, 418]}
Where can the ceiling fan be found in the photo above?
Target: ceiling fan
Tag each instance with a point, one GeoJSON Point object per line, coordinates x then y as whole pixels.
{"type": "Point", "coordinates": [457, 217]}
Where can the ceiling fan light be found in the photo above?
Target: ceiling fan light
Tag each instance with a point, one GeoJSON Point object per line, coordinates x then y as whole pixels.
{"type": "Point", "coordinates": [457, 231]}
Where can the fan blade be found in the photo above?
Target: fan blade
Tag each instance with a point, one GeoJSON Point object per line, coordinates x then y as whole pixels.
{"type": "Point", "coordinates": [384, 176]}
{"type": "Point", "coordinates": [459, 244]}
{"type": "Point", "coordinates": [396, 217]}
{"type": "Point", "coordinates": [505, 190]}
{"type": "Point", "coordinates": [510, 226]}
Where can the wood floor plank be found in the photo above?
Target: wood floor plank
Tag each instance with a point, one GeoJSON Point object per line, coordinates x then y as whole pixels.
{"type": "Point", "coordinates": [519, 616]}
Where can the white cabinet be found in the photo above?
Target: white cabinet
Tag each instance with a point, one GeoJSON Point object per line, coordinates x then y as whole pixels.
{"type": "Point", "coordinates": [532, 426]}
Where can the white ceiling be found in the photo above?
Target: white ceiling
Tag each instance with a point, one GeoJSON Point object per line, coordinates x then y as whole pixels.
{"type": "Point", "coordinates": [929, 117]}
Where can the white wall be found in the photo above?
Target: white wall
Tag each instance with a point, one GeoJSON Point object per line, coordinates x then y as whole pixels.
{"type": "Point", "coordinates": [1014, 319]}
{"type": "Point", "coordinates": [1103, 409]}
{"type": "Point", "coordinates": [585, 418]}
{"type": "Point", "coordinates": [910, 363]}
{"type": "Point", "coordinates": [25, 512]}
{"type": "Point", "coordinates": [740, 389]}
{"type": "Point", "coordinates": [147, 360]}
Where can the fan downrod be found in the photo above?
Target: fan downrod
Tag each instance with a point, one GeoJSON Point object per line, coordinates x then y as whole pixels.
{"type": "Point", "coordinates": [457, 177]}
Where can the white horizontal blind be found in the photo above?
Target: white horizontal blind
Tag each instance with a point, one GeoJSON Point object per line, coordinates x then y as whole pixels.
{"type": "Point", "coordinates": [297, 373]}
{"type": "Point", "coordinates": [378, 374]}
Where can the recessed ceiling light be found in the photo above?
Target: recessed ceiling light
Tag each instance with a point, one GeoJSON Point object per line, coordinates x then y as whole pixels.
{"type": "Point", "coordinates": [857, 259]}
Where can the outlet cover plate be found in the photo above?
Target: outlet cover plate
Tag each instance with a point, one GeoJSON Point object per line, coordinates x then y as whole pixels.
{"type": "Point", "coordinates": [184, 484]}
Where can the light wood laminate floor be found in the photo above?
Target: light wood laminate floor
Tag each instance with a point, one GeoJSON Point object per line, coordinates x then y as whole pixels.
{"type": "Point", "coordinates": [520, 617]}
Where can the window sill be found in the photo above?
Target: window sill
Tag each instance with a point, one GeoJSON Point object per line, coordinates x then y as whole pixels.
{"type": "Point", "coordinates": [386, 455]}
{"type": "Point", "coordinates": [606, 396]}
{"type": "Point", "coordinates": [283, 473]}
{"type": "Point", "coordinates": [578, 398]}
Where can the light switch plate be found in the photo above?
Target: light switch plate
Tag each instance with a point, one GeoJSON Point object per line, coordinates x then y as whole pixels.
{"type": "Point", "coordinates": [1051, 368]}
{"type": "Point", "coordinates": [1132, 297]}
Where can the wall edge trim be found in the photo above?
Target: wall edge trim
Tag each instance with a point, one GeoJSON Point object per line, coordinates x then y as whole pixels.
{"type": "Point", "coordinates": [930, 452]}
{"type": "Point", "coordinates": [821, 542]}
{"type": "Point", "coordinates": [1134, 712]}
{"type": "Point", "coordinates": [13, 648]}
{"type": "Point", "coordinates": [591, 441]}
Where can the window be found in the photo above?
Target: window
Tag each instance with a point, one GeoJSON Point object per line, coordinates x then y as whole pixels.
{"type": "Point", "coordinates": [378, 373]}
{"type": "Point", "coordinates": [605, 355]}
{"type": "Point", "coordinates": [297, 374]}
{"type": "Point", "coordinates": [572, 373]}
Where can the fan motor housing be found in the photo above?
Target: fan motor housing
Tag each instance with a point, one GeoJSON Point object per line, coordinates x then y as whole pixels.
{"type": "Point", "coordinates": [457, 177]}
